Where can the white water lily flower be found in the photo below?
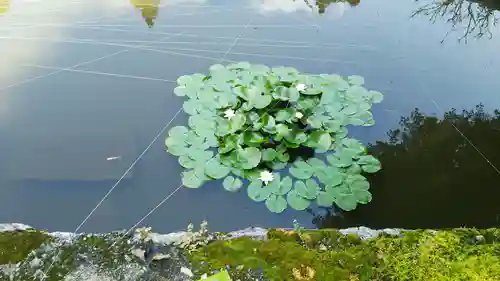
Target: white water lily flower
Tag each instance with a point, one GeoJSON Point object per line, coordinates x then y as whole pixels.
{"type": "Point", "coordinates": [266, 177]}
{"type": "Point", "coordinates": [300, 87]}
{"type": "Point", "coordinates": [229, 114]}
{"type": "Point", "coordinates": [299, 114]}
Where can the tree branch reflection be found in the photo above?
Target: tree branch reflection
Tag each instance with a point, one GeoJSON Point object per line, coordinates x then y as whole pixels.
{"type": "Point", "coordinates": [476, 17]}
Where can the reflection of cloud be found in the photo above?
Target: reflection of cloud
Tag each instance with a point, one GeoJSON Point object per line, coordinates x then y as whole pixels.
{"type": "Point", "coordinates": [187, 2]}
{"type": "Point", "coordinates": [281, 5]}
{"type": "Point", "coordinates": [337, 9]}
{"type": "Point", "coordinates": [290, 6]}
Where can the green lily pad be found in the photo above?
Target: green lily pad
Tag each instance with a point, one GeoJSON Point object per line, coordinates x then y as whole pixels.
{"type": "Point", "coordinates": [285, 115]}
{"type": "Point", "coordinates": [286, 74]}
{"type": "Point", "coordinates": [360, 184]}
{"type": "Point", "coordinates": [332, 126]}
{"type": "Point", "coordinates": [276, 165]}
{"type": "Point", "coordinates": [280, 186]}
{"type": "Point", "coordinates": [178, 131]}
{"type": "Point", "coordinates": [308, 190]}
{"type": "Point", "coordinates": [301, 170]}
{"type": "Point", "coordinates": [239, 65]}
{"type": "Point", "coordinates": [276, 203]}
{"type": "Point", "coordinates": [296, 201]}
{"type": "Point", "coordinates": [232, 184]}
{"type": "Point", "coordinates": [230, 142]}
{"type": "Point", "coordinates": [317, 164]}
{"type": "Point", "coordinates": [178, 150]}
{"type": "Point", "coordinates": [255, 97]}
{"type": "Point", "coordinates": [308, 102]}
{"type": "Point", "coordinates": [269, 154]}
{"type": "Point", "coordinates": [192, 179]}
{"type": "Point", "coordinates": [356, 80]}
{"type": "Point", "coordinates": [316, 120]}
{"type": "Point", "coordinates": [320, 140]}
{"type": "Point", "coordinates": [237, 122]}
{"type": "Point", "coordinates": [257, 192]}
{"type": "Point", "coordinates": [215, 169]}
{"type": "Point", "coordinates": [346, 202]}
{"type": "Point", "coordinates": [247, 158]}
{"type": "Point", "coordinates": [195, 158]}
{"type": "Point", "coordinates": [282, 129]}
{"type": "Point", "coordinates": [340, 161]}
{"type": "Point", "coordinates": [268, 123]}
{"type": "Point", "coordinates": [362, 196]}
{"type": "Point", "coordinates": [286, 94]}
{"type": "Point", "coordinates": [252, 138]}
{"type": "Point", "coordinates": [376, 97]}
{"type": "Point", "coordinates": [369, 163]}
{"type": "Point", "coordinates": [325, 199]}
{"type": "Point", "coordinates": [296, 136]}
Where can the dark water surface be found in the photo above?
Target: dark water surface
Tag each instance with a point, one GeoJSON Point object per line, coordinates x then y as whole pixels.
{"type": "Point", "coordinates": [81, 81]}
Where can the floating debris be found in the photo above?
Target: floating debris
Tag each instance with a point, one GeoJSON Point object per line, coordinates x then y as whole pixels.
{"type": "Point", "coordinates": [113, 158]}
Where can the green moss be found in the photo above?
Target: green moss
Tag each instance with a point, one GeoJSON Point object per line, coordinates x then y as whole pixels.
{"type": "Point", "coordinates": [106, 251]}
{"type": "Point", "coordinates": [16, 245]}
{"type": "Point", "coordinates": [460, 254]}
{"type": "Point", "coordinates": [455, 255]}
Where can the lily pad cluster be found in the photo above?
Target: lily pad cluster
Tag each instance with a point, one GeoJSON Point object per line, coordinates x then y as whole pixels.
{"type": "Point", "coordinates": [245, 120]}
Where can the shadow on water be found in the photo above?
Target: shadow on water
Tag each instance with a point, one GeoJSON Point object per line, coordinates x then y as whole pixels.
{"type": "Point", "coordinates": [475, 17]}
{"type": "Point", "coordinates": [432, 176]}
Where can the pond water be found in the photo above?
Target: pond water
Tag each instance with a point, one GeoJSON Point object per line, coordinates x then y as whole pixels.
{"type": "Point", "coordinates": [81, 81]}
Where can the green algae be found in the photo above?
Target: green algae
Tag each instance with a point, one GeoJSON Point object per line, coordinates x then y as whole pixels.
{"type": "Point", "coordinates": [16, 245]}
{"type": "Point", "coordinates": [455, 254]}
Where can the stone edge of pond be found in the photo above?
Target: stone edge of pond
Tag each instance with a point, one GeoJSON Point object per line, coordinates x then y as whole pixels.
{"type": "Point", "coordinates": [246, 253]}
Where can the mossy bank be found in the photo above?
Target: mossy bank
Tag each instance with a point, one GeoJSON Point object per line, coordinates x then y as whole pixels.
{"type": "Point", "coordinates": [254, 254]}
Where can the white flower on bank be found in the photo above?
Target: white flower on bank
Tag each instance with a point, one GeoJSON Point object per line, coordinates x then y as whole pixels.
{"type": "Point", "coordinates": [266, 177]}
{"type": "Point", "coordinates": [300, 87]}
{"type": "Point", "coordinates": [299, 115]}
{"type": "Point", "coordinates": [229, 114]}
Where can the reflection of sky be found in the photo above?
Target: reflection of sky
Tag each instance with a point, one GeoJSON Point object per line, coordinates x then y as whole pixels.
{"type": "Point", "coordinates": [291, 6]}
{"type": "Point", "coordinates": [60, 128]}
{"type": "Point", "coordinates": [30, 15]}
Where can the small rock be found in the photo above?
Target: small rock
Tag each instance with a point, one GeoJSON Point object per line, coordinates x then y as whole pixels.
{"type": "Point", "coordinates": [138, 253]}
{"type": "Point", "coordinates": [204, 276]}
{"type": "Point", "coordinates": [13, 227]}
{"type": "Point", "coordinates": [479, 238]}
{"type": "Point", "coordinates": [35, 263]}
{"type": "Point", "coordinates": [160, 256]}
{"type": "Point", "coordinates": [187, 271]}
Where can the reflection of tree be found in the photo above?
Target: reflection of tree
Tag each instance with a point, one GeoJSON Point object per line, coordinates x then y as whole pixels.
{"type": "Point", "coordinates": [149, 9]}
{"type": "Point", "coordinates": [4, 6]}
{"type": "Point", "coordinates": [431, 175]}
{"type": "Point", "coordinates": [322, 5]}
{"type": "Point", "coordinates": [476, 16]}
